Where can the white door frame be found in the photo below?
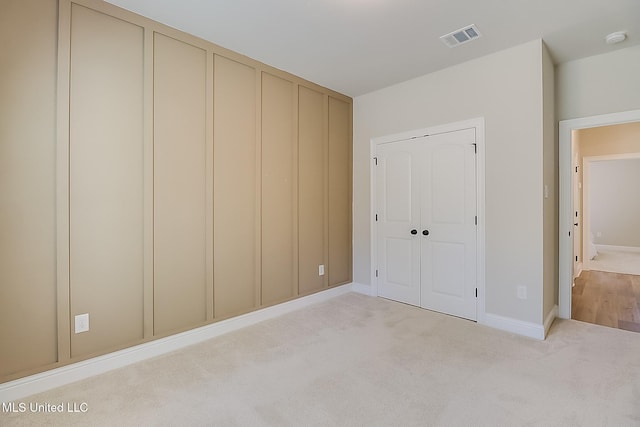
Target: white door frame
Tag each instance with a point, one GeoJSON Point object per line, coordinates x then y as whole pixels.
{"type": "Point", "coordinates": [578, 262]}
{"type": "Point", "coordinates": [566, 197]}
{"type": "Point", "coordinates": [478, 124]}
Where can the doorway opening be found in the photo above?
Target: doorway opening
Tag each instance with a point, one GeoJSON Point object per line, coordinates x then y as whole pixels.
{"type": "Point", "coordinates": [611, 223]}
{"type": "Point", "coordinates": [587, 148]}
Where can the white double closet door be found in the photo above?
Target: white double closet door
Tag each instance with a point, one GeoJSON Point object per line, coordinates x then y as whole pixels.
{"type": "Point", "coordinates": [426, 222]}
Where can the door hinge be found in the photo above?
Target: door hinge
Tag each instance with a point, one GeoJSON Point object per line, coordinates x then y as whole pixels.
{"type": "Point", "coordinates": [376, 217]}
{"type": "Point", "coordinates": [376, 273]}
{"type": "Point", "coordinates": [475, 148]}
{"type": "Point", "coordinates": [476, 292]}
{"type": "Point", "coordinates": [569, 234]}
{"type": "Point", "coordinates": [576, 169]}
{"type": "Point", "coordinates": [476, 219]}
{"type": "Point", "coordinates": [375, 159]}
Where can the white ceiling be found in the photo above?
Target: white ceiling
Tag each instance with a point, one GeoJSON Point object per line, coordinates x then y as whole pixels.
{"type": "Point", "coordinates": [358, 46]}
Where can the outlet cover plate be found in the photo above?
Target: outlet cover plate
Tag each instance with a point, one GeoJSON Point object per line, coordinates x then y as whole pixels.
{"type": "Point", "coordinates": [522, 292]}
{"type": "Point", "coordinates": [82, 323]}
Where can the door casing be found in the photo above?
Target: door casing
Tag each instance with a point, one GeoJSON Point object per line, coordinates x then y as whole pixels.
{"type": "Point", "coordinates": [478, 124]}
{"type": "Point", "coordinates": [565, 228]}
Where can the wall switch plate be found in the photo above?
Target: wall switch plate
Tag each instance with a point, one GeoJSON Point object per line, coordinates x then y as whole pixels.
{"type": "Point", "coordinates": [321, 270]}
{"type": "Point", "coordinates": [522, 292]}
{"type": "Point", "coordinates": [82, 323]}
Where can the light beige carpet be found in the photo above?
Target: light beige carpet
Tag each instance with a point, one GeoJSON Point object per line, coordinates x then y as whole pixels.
{"type": "Point", "coordinates": [363, 361]}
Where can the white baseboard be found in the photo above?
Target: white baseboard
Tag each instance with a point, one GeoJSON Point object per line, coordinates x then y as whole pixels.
{"type": "Point", "coordinates": [633, 249]}
{"type": "Point", "coordinates": [57, 377]}
{"type": "Point", "coordinates": [579, 268]}
{"type": "Point", "coordinates": [548, 321]}
{"type": "Point", "coordinates": [362, 289]}
{"type": "Point", "coordinates": [527, 329]}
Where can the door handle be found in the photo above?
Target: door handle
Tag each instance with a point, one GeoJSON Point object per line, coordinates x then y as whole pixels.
{"type": "Point", "coordinates": [575, 223]}
{"type": "Point", "coordinates": [425, 232]}
{"type": "Point", "coordinates": [414, 231]}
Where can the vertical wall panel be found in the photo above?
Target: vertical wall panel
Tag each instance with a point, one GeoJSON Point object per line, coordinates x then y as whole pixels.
{"type": "Point", "coordinates": [235, 188]}
{"type": "Point", "coordinates": [27, 185]}
{"type": "Point", "coordinates": [106, 179]}
{"type": "Point", "coordinates": [278, 187]}
{"type": "Point", "coordinates": [180, 116]}
{"type": "Point", "coordinates": [311, 189]}
{"type": "Point", "coordinates": [339, 192]}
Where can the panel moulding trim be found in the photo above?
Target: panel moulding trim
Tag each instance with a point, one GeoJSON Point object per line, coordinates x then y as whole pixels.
{"type": "Point", "coordinates": [58, 377]}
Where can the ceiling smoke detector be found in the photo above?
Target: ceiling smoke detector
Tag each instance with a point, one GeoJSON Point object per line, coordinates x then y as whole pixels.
{"type": "Point", "coordinates": [617, 37]}
{"type": "Point", "coordinates": [461, 36]}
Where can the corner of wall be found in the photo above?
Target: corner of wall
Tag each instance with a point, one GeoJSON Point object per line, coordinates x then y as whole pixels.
{"type": "Point", "coordinates": [550, 182]}
{"type": "Point", "coordinates": [516, 326]}
{"type": "Point", "coordinates": [362, 289]}
{"type": "Point", "coordinates": [549, 319]}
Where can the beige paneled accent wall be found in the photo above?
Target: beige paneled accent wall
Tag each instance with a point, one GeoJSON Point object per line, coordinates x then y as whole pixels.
{"type": "Point", "coordinates": [236, 188]}
{"type": "Point", "coordinates": [180, 178]}
{"type": "Point", "coordinates": [156, 182]}
{"type": "Point", "coordinates": [312, 162]}
{"type": "Point", "coordinates": [279, 270]}
{"type": "Point", "coordinates": [106, 179]}
{"type": "Point", "coordinates": [340, 196]}
{"type": "Point", "coordinates": [27, 186]}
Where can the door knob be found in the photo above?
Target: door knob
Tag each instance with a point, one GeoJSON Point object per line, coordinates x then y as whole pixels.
{"type": "Point", "coordinates": [414, 231]}
{"type": "Point", "coordinates": [425, 232]}
{"type": "Point", "coordinates": [575, 223]}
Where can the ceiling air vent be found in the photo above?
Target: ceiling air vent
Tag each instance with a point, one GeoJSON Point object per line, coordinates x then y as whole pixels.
{"type": "Point", "coordinates": [461, 36]}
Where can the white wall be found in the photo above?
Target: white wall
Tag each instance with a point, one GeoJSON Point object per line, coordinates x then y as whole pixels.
{"type": "Point", "coordinates": [600, 84]}
{"type": "Point", "coordinates": [506, 89]}
{"type": "Point", "coordinates": [614, 202]}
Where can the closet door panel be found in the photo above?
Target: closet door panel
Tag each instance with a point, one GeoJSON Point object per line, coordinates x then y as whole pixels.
{"type": "Point", "coordinates": [278, 188]}
{"type": "Point", "coordinates": [339, 192]}
{"type": "Point", "coordinates": [236, 196]}
{"type": "Point", "coordinates": [106, 180]}
{"type": "Point", "coordinates": [180, 115]}
{"type": "Point", "coordinates": [311, 189]}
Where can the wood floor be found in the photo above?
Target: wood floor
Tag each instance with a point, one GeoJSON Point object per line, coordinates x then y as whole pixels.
{"type": "Point", "coordinates": [608, 299]}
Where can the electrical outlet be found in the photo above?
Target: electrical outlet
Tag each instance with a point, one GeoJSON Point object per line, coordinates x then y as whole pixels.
{"type": "Point", "coordinates": [522, 292]}
{"type": "Point", "coordinates": [321, 270]}
{"type": "Point", "coordinates": [82, 323]}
